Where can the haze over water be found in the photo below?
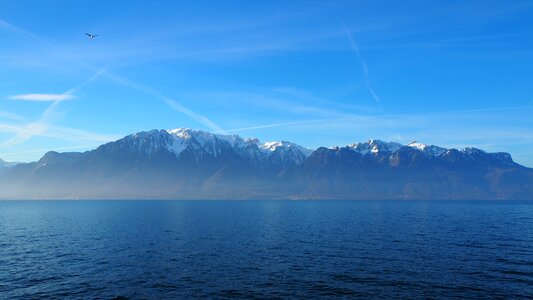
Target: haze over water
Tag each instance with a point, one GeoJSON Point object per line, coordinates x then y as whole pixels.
{"type": "Point", "coordinates": [164, 249]}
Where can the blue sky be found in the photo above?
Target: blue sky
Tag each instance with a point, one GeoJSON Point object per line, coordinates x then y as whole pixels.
{"type": "Point", "coordinates": [323, 73]}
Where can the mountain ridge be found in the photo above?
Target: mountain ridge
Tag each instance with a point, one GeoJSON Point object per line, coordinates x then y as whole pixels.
{"type": "Point", "coordinates": [191, 164]}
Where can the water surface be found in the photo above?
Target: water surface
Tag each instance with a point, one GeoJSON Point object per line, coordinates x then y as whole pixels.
{"type": "Point", "coordinates": [176, 249]}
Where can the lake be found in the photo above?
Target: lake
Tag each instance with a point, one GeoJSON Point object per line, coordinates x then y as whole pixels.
{"type": "Point", "coordinates": [266, 249]}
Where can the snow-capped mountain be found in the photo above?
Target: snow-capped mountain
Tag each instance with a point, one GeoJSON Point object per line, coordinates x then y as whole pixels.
{"type": "Point", "coordinates": [201, 143]}
{"type": "Point", "coordinates": [395, 151]}
{"type": "Point", "coordinates": [375, 147]}
{"type": "Point", "coordinates": [431, 150]}
{"type": "Point", "coordinates": [189, 164]}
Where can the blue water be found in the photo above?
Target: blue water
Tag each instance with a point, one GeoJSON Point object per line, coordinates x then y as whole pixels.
{"type": "Point", "coordinates": [177, 249]}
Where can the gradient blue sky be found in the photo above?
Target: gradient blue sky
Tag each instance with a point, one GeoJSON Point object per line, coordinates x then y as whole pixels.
{"type": "Point", "coordinates": [318, 73]}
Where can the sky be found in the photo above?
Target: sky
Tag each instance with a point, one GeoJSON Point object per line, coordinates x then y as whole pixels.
{"type": "Point", "coordinates": [318, 73]}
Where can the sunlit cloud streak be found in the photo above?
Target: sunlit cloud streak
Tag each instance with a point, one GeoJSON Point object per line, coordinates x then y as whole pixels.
{"type": "Point", "coordinates": [197, 117]}
{"type": "Point", "coordinates": [68, 95]}
{"type": "Point", "coordinates": [170, 102]}
{"type": "Point", "coordinates": [10, 27]}
{"type": "Point", "coordinates": [42, 97]}
{"type": "Point", "coordinates": [11, 116]}
{"type": "Point", "coordinates": [57, 132]}
{"type": "Point", "coordinates": [175, 105]}
{"type": "Point", "coordinates": [364, 66]}
{"type": "Point", "coordinates": [273, 102]}
{"type": "Point", "coordinates": [49, 116]}
{"type": "Point", "coordinates": [283, 124]}
{"type": "Point", "coordinates": [308, 97]}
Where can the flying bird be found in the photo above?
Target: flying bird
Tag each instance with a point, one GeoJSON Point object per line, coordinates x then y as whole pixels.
{"type": "Point", "coordinates": [91, 36]}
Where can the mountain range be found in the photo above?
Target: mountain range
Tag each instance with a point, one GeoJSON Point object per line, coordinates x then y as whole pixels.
{"type": "Point", "coordinates": [192, 164]}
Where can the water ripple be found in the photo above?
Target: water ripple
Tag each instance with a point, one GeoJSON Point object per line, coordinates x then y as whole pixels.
{"type": "Point", "coordinates": [265, 249]}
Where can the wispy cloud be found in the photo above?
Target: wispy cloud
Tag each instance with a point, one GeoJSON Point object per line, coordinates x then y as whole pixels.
{"type": "Point", "coordinates": [197, 117]}
{"type": "Point", "coordinates": [12, 116]}
{"type": "Point", "coordinates": [174, 40]}
{"type": "Point", "coordinates": [172, 103]}
{"type": "Point", "coordinates": [68, 95]}
{"type": "Point", "coordinates": [283, 124]}
{"type": "Point", "coordinates": [278, 103]}
{"type": "Point", "coordinates": [79, 136]}
{"type": "Point", "coordinates": [373, 93]}
{"type": "Point", "coordinates": [36, 128]}
{"type": "Point", "coordinates": [55, 132]}
{"type": "Point", "coordinates": [169, 101]}
{"type": "Point", "coordinates": [364, 66]}
{"type": "Point", "coordinates": [42, 97]}
{"type": "Point", "coordinates": [50, 115]}
{"type": "Point", "coordinates": [309, 97]}
{"type": "Point", "coordinates": [10, 27]}
{"type": "Point", "coordinates": [98, 73]}
{"type": "Point", "coordinates": [20, 156]}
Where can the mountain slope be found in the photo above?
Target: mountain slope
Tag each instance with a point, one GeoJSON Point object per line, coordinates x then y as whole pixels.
{"type": "Point", "coordinates": [5, 164]}
{"type": "Point", "coordinates": [190, 164]}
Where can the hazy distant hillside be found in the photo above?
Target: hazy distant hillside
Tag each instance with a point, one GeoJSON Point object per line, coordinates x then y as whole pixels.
{"type": "Point", "coordinates": [190, 164]}
{"type": "Point", "coordinates": [5, 164]}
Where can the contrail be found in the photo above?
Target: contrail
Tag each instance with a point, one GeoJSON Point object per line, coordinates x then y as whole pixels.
{"type": "Point", "coordinates": [68, 95]}
{"type": "Point", "coordinates": [374, 95]}
{"type": "Point", "coordinates": [12, 116]}
{"type": "Point", "coordinates": [197, 117]}
{"type": "Point", "coordinates": [48, 117]}
{"type": "Point", "coordinates": [278, 125]}
{"type": "Point", "coordinates": [169, 101]}
{"type": "Point", "coordinates": [58, 132]}
{"type": "Point", "coordinates": [173, 103]}
{"type": "Point", "coordinates": [10, 27]}
{"type": "Point", "coordinates": [364, 66]}
{"type": "Point", "coordinates": [89, 80]}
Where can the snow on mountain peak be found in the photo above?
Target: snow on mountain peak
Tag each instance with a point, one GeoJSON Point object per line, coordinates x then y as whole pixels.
{"type": "Point", "coordinates": [417, 145]}
{"type": "Point", "coordinates": [212, 143]}
{"type": "Point", "coordinates": [181, 132]}
{"type": "Point", "coordinates": [272, 146]}
{"type": "Point", "coordinates": [375, 146]}
{"type": "Point", "coordinates": [204, 138]}
{"type": "Point", "coordinates": [429, 150]}
{"type": "Point", "coordinates": [378, 146]}
{"type": "Point", "coordinates": [286, 146]}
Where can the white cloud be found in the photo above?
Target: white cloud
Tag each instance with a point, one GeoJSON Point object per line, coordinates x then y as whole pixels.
{"type": "Point", "coordinates": [42, 97]}
{"type": "Point", "coordinates": [52, 131]}
{"type": "Point", "coordinates": [50, 115]}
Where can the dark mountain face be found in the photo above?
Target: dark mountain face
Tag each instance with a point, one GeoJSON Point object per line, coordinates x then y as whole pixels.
{"type": "Point", "coordinates": [408, 173]}
{"type": "Point", "coordinates": [188, 164]}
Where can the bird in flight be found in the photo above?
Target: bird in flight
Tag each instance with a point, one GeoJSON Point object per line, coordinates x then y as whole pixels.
{"type": "Point", "coordinates": [91, 36]}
